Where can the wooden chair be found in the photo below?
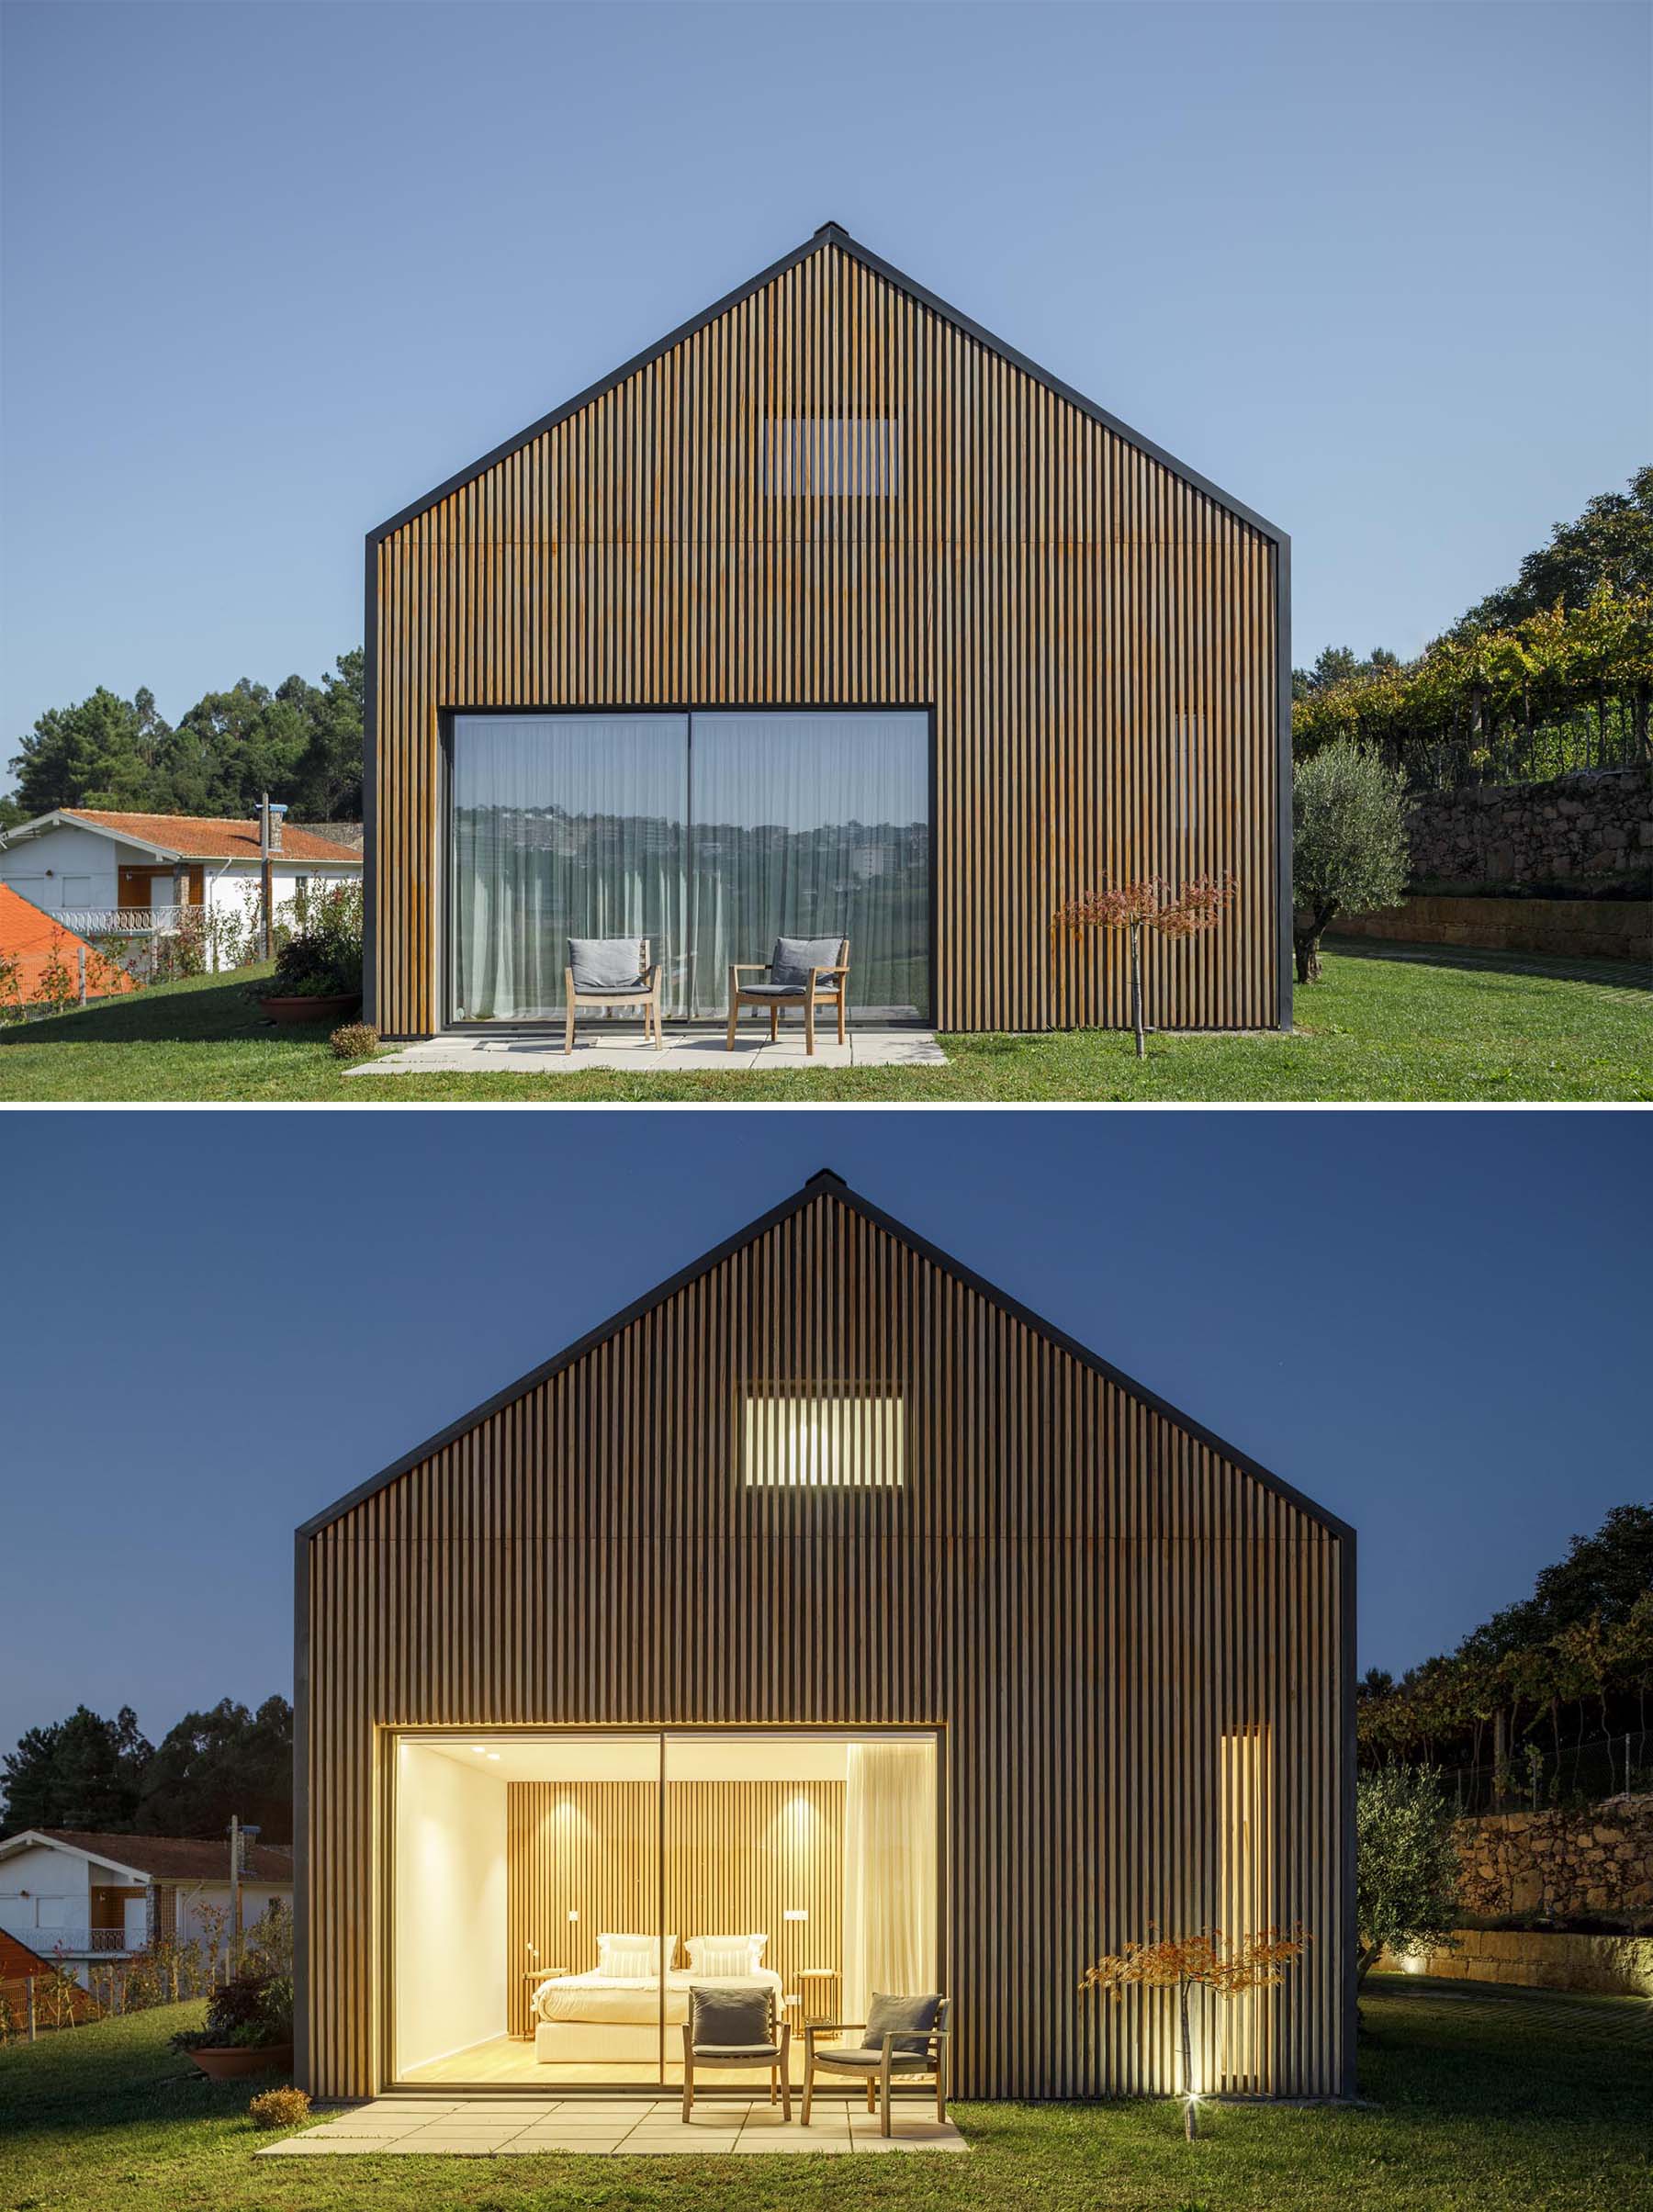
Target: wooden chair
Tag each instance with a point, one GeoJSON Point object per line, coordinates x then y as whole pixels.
{"type": "Point", "coordinates": [613, 972]}
{"type": "Point", "coordinates": [901, 2037]}
{"type": "Point", "coordinates": [730, 2026]}
{"type": "Point", "coordinates": [808, 972]}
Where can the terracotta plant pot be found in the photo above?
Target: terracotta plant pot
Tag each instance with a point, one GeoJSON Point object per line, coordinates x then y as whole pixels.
{"type": "Point", "coordinates": [329, 1010]}
{"type": "Point", "coordinates": [231, 2061]}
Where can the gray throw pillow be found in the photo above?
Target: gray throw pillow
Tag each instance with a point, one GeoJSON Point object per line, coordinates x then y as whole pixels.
{"type": "Point", "coordinates": [729, 2017]}
{"type": "Point", "coordinates": [605, 963]}
{"type": "Point", "coordinates": [917, 2016]}
{"type": "Point", "coordinates": [793, 956]}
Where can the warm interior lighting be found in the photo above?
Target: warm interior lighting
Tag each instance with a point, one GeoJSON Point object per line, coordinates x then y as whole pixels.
{"type": "Point", "coordinates": [493, 1755]}
{"type": "Point", "coordinates": [842, 1442]}
{"type": "Point", "coordinates": [796, 1912]}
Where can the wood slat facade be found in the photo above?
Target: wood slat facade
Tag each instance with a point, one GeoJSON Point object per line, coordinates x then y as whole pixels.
{"type": "Point", "coordinates": [1136, 1644]}
{"type": "Point", "coordinates": [1101, 635]}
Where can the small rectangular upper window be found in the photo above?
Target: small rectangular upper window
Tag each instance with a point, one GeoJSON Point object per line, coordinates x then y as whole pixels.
{"type": "Point", "coordinates": [800, 1438]}
{"type": "Point", "coordinates": [832, 457]}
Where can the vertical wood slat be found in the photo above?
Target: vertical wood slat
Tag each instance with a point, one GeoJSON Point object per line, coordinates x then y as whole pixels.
{"type": "Point", "coordinates": [1096, 636]}
{"type": "Point", "coordinates": [1085, 1596]}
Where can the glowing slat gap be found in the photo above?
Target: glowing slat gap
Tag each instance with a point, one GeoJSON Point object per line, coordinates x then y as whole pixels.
{"type": "Point", "coordinates": [822, 1444]}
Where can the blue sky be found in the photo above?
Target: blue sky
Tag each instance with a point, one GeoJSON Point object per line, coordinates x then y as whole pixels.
{"type": "Point", "coordinates": [215, 1324]}
{"type": "Point", "coordinates": [273, 270]}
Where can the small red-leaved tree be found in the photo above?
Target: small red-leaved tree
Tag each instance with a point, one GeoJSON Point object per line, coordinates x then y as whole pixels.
{"type": "Point", "coordinates": [1201, 1961]}
{"type": "Point", "coordinates": [1151, 904]}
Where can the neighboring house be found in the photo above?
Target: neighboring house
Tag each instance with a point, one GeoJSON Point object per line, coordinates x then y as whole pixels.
{"type": "Point", "coordinates": [828, 615]}
{"type": "Point", "coordinates": [39, 944]}
{"type": "Point", "coordinates": [130, 875]}
{"type": "Point", "coordinates": [830, 1597]}
{"type": "Point", "coordinates": [95, 1898]}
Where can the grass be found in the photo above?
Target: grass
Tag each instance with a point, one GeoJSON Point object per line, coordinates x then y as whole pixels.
{"type": "Point", "coordinates": [1375, 1028]}
{"type": "Point", "coordinates": [1500, 2105]}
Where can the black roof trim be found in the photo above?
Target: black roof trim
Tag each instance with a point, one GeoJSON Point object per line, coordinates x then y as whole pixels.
{"type": "Point", "coordinates": [831, 233]}
{"type": "Point", "coordinates": [828, 1184]}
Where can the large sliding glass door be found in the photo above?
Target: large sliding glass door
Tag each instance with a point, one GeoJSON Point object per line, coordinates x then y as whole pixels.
{"type": "Point", "coordinates": [712, 834]}
{"type": "Point", "coordinates": [557, 1897]}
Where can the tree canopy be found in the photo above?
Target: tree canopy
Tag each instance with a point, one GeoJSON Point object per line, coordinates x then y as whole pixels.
{"type": "Point", "coordinates": [1551, 674]}
{"type": "Point", "coordinates": [1578, 1651]}
{"type": "Point", "coordinates": [88, 1772]}
{"type": "Point", "coordinates": [301, 742]}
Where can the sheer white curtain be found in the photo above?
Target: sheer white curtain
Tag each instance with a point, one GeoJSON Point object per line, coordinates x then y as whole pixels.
{"type": "Point", "coordinates": [563, 825]}
{"type": "Point", "coordinates": [813, 825]}
{"type": "Point", "coordinates": [889, 1873]}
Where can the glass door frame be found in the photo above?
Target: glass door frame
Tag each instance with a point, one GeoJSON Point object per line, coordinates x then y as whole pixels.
{"type": "Point", "coordinates": [447, 717]}
{"type": "Point", "coordinates": [383, 1873]}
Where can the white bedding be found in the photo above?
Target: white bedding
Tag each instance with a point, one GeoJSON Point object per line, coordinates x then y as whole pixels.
{"type": "Point", "coordinates": [635, 2000]}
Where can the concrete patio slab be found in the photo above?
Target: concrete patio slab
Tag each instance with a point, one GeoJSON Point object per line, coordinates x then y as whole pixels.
{"type": "Point", "coordinates": [506, 2127]}
{"type": "Point", "coordinates": [686, 1052]}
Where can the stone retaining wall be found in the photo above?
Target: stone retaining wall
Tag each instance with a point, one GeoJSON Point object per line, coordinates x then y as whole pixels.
{"type": "Point", "coordinates": [1608, 1965]}
{"type": "Point", "coordinates": [1560, 1866]}
{"type": "Point", "coordinates": [1613, 930]}
{"type": "Point", "coordinates": [1595, 824]}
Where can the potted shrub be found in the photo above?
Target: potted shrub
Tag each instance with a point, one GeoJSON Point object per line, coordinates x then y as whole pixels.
{"type": "Point", "coordinates": [318, 973]}
{"type": "Point", "coordinates": [249, 2029]}
{"type": "Point", "coordinates": [250, 2019]}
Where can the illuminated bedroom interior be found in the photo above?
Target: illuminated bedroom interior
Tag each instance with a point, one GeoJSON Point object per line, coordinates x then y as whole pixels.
{"type": "Point", "coordinates": [537, 1878]}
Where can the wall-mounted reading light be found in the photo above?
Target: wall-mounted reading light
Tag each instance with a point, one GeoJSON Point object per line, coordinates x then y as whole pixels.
{"type": "Point", "coordinates": [795, 1911]}
{"type": "Point", "coordinates": [573, 1916]}
{"type": "Point", "coordinates": [493, 1755]}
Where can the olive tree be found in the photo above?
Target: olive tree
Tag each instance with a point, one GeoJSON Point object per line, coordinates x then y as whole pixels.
{"type": "Point", "coordinates": [1406, 1864]}
{"type": "Point", "coordinates": [1349, 846]}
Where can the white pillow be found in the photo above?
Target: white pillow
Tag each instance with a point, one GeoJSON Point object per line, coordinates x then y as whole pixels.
{"type": "Point", "coordinates": [632, 1948]}
{"type": "Point", "coordinates": [750, 1947]}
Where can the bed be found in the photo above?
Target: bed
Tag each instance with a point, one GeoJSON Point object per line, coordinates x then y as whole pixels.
{"type": "Point", "coordinates": [596, 2018]}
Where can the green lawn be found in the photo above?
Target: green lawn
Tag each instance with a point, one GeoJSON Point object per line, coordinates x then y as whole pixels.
{"type": "Point", "coordinates": [1499, 2106]}
{"type": "Point", "coordinates": [1375, 1028]}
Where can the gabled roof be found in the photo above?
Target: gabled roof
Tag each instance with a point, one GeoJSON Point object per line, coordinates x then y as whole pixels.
{"type": "Point", "coordinates": [31, 936]}
{"type": "Point", "coordinates": [826, 1184]}
{"type": "Point", "coordinates": [189, 836]}
{"type": "Point", "coordinates": [163, 1857]}
{"type": "Point", "coordinates": [834, 234]}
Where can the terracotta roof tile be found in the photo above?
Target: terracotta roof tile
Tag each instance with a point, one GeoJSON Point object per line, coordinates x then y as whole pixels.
{"type": "Point", "coordinates": [179, 1858]}
{"type": "Point", "coordinates": [29, 935]}
{"type": "Point", "coordinates": [200, 837]}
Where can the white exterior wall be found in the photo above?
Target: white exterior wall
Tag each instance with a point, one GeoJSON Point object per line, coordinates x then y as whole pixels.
{"type": "Point", "coordinates": [234, 896]}
{"type": "Point", "coordinates": [82, 868]}
{"type": "Point", "coordinates": [448, 1981]}
{"type": "Point", "coordinates": [193, 1900]}
{"type": "Point", "coordinates": [57, 1883]}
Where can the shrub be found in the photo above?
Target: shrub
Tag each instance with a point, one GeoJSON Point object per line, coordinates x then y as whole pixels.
{"type": "Point", "coordinates": [353, 1040]}
{"type": "Point", "coordinates": [1406, 1864]}
{"type": "Point", "coordinates": [279, 2108]}
{"type": "Point", "coordinates": [322, 958]}
{"type": "Point", "coordinates": [254, 2012]}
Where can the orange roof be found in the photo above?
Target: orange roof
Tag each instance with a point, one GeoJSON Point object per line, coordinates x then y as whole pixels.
{"type": "Point", "coordinates": [31, 936]}
{"type": "Point", "coordinates": [199, 837]}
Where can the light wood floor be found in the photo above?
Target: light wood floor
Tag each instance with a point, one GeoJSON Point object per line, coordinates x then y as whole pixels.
{"type": "Point", "coordinates": [509, 2060]}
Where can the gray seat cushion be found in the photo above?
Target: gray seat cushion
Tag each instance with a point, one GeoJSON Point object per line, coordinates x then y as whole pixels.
{"type": "Point", "coordinates": [794, 991]}
{"type": "Point", "coordinates": [734, 2054]}
{"type": "Point", "coordinates": [912, 2018]}
{"type": "Point", "coordinates": [726, 2023]}
{"type": "Point", "coordinates": [863, 2061]}
{"type": "Point", "coordinates": [606, 963]}
{"type": "Point", "coordinates": [793, 956]}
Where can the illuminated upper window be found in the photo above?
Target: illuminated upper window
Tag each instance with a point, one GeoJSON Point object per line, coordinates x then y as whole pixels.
{"type": "Point", "coordinates": [832, 457]}
{"type": "Point", "coordinates": [796, 1439]}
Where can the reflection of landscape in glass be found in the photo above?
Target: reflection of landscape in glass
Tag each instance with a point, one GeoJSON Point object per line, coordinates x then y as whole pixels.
{"type": "Point", "coordinates": [808, 826]}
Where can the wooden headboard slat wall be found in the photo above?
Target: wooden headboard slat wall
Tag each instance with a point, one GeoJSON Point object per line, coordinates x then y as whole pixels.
{"type": "Point", "coordinates": [738, 1857]}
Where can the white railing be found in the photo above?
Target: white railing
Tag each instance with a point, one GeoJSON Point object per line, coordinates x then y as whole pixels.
{"type": "Point", "coordinates": [126, 921]}
{"type": "Point", "coordinates": [82, 1942]}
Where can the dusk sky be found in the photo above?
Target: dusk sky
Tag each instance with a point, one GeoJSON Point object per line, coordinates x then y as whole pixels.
{"type": "Point", "coordinates": [214, 1324]}
{"type": "Point", "coordinates": [271, 271]}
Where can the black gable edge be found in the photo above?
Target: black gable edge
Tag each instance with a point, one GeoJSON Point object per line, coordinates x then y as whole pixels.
{"type": "Point", "coordinates": [834, 234]}
{"type": "Point", "coordinates": [825, 1184]}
